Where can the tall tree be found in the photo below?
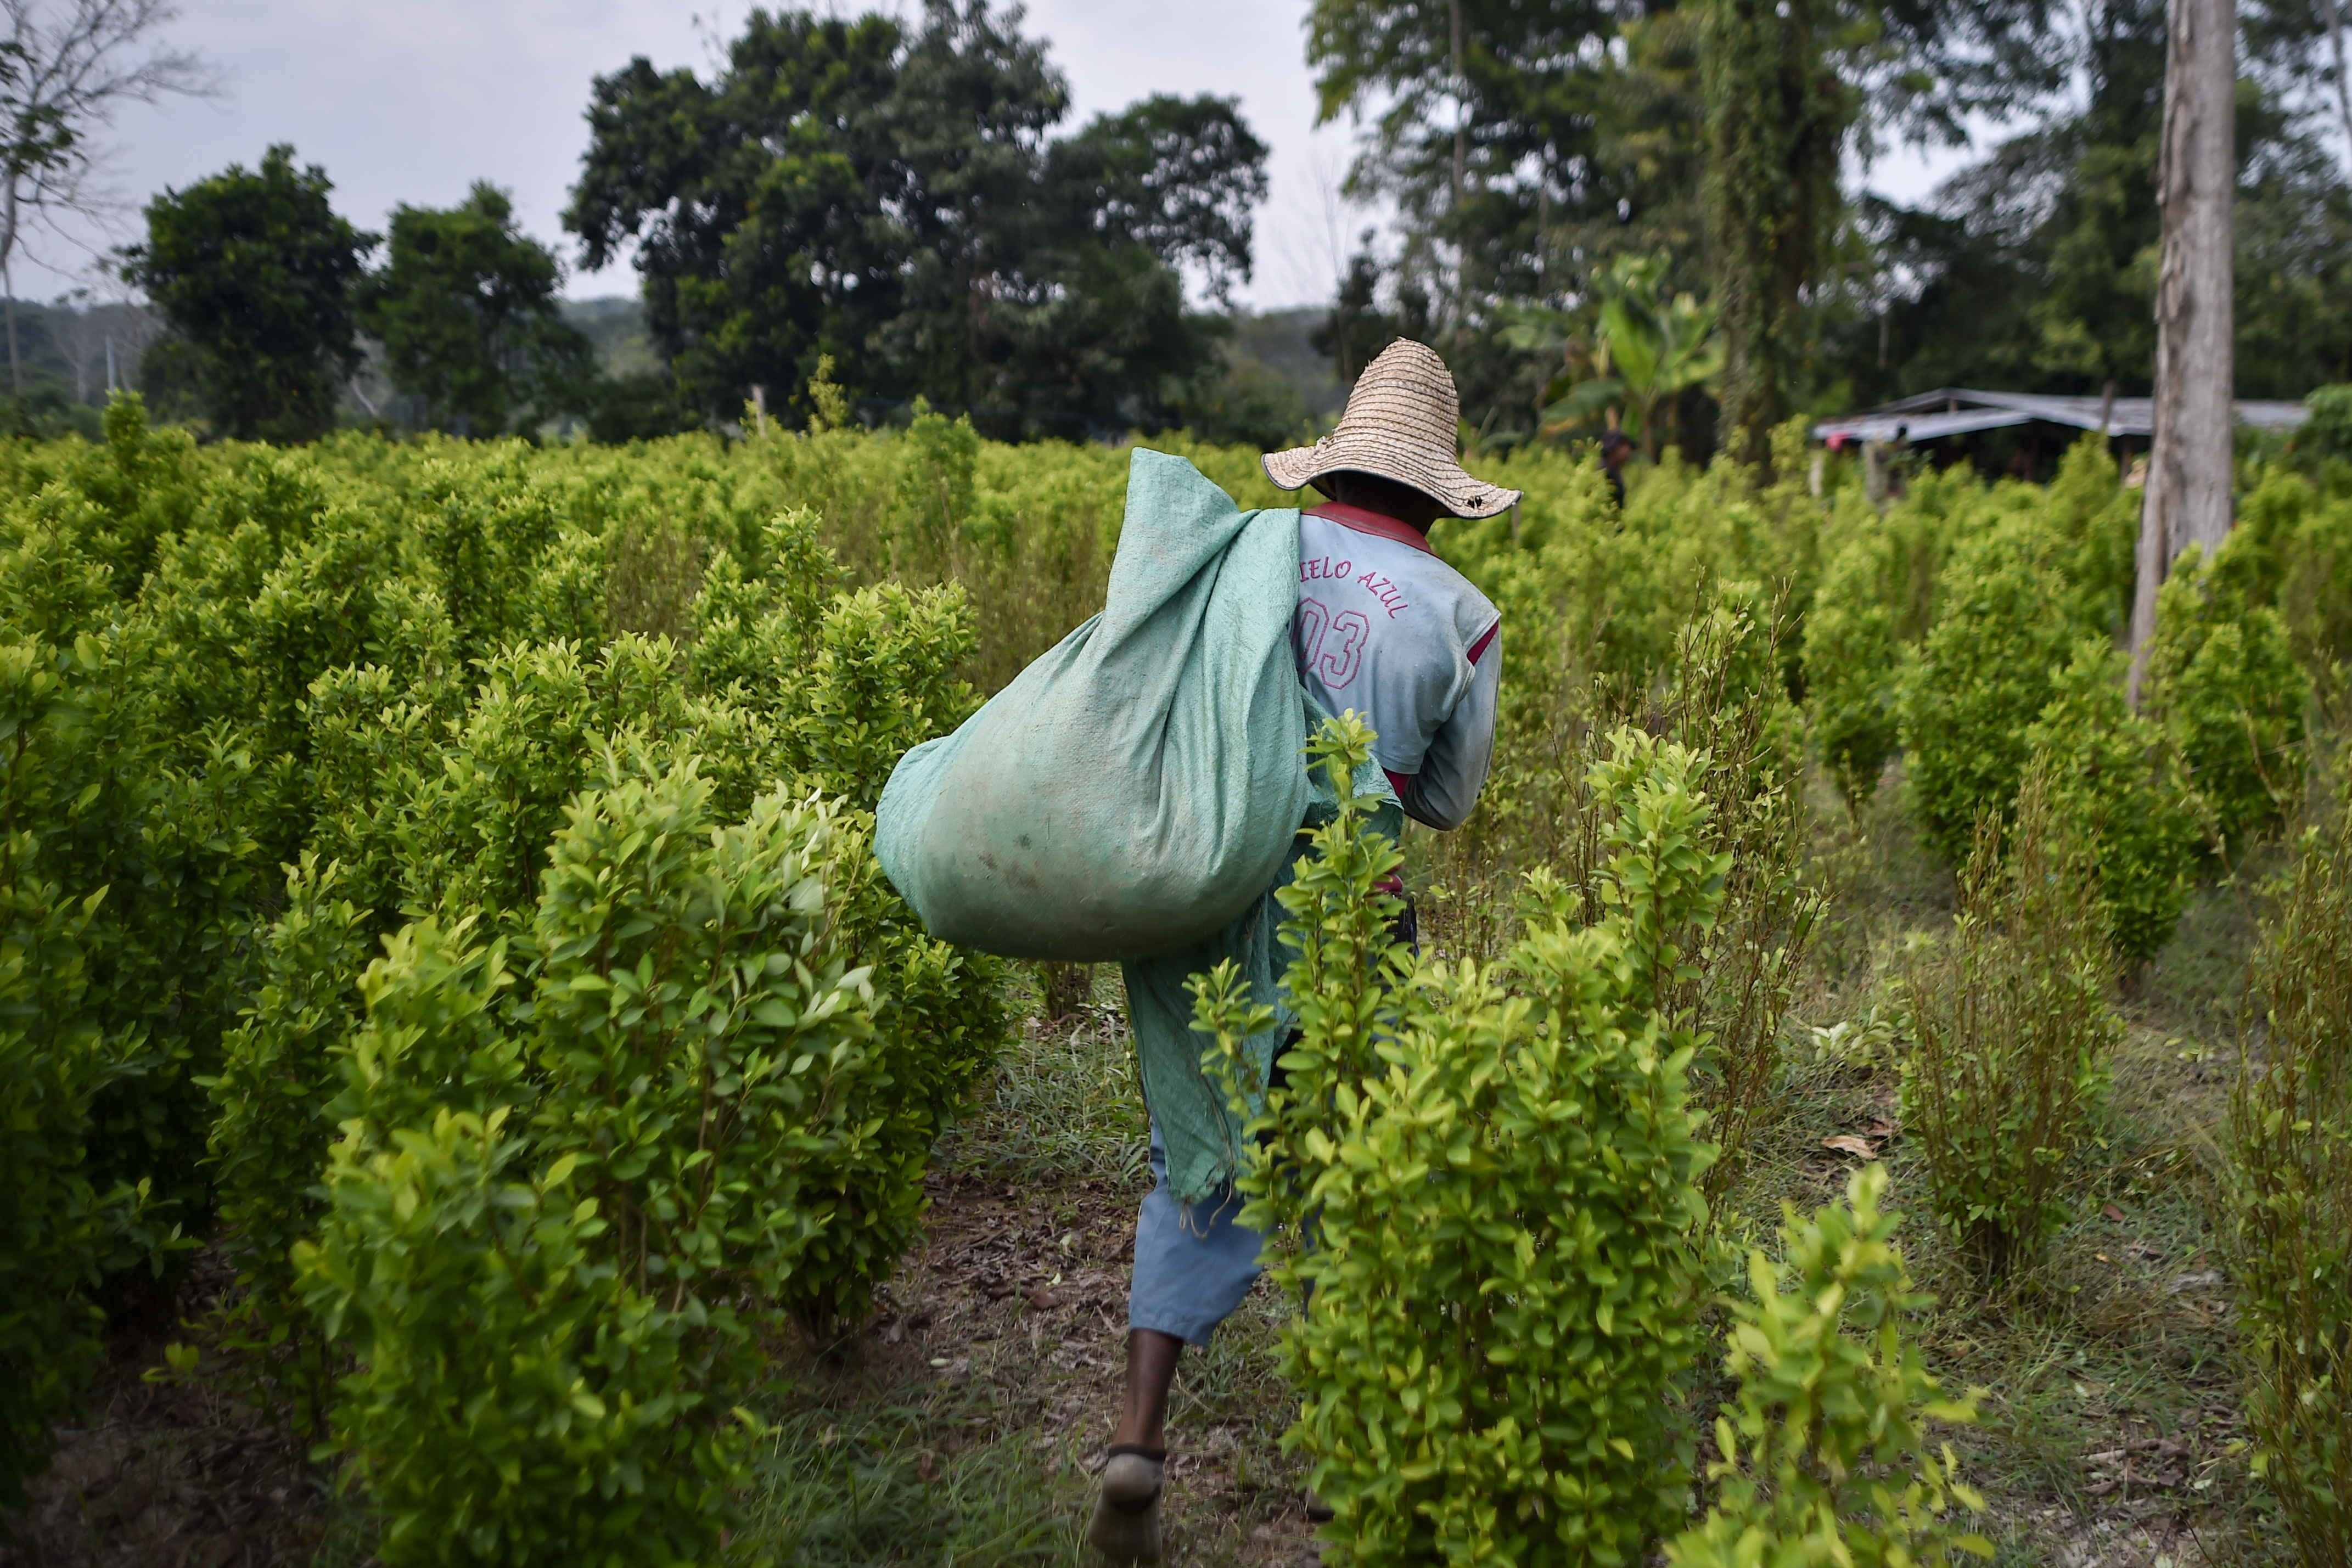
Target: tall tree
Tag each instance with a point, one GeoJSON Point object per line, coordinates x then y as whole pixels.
{"type": "Point", "coordinates": [2035, 268]}
{"type": "Point", "coordinates": [968, 120]}
{"type": "Point", "coordinates": [2297, 49]}
{"type": "Point", "coordinates": [1180, 177]}
{"type": "Point", "coordinates": [64, 71]}
{"type": "Point", "coordinates": [256, 272]}
{"type": "Point", "coordinates": [1583, 124]}
{"type": "Point", "coordinates": [465, 308]}
{"type": "Point", "coordinates": [1777, 118]}
{"type": "Point", "coordinates": [1477, 118]}
{"type": "Point", "coordinates": [2335, 29]}
{"type": "Point", "coordinates": [1515, 166]}
{"type": "Point", "coordinates": [896, 200]}
{"type": "Point", "coordinates": [757, 202]}
{"type": "Point", "coordinates": [1357, 329]}
{"type": "Point", "coordinates": [2187, 500]}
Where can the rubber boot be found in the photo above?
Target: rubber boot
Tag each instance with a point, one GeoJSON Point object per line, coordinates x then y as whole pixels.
{"type": "Point", "coordinates": [1126, 1525]}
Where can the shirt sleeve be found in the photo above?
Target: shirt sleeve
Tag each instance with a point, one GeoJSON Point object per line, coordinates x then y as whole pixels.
{"type": "Point", "coordinates": [1453, 770]}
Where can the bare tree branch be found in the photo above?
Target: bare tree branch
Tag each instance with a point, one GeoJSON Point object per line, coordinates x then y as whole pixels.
{"type": "Point", "coordinates": [65, 66]}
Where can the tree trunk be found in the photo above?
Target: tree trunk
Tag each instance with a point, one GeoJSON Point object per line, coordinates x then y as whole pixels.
{"type": "Point", "coordinates": [8, 280]}
{"type": "Point", "coordinates": [2188, 496]}
{"type": "Point", "coordinates": [15, 371]}
{"type": "Point", "coordinates": [2343, 82]}
{"type": "Point", "coordinates": [1777, 115]}
{"type": "Point", "coordinates": [1460, 169]}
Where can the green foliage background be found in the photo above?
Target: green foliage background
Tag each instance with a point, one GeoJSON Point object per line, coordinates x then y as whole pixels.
{"type": "Point", "coordinates": [409, 849]}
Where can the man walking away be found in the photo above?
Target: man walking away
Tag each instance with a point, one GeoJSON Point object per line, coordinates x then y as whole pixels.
{"type": "Point", "coordinates": [1387, 628]}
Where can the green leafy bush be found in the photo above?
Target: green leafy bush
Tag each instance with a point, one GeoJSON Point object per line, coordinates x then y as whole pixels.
{"type": "Point", "coordinates": [1983, 674]}
{"type": "Point", "coordinates": [1885, 583]}
{"type": "Point", "coordinates": [1726, 706]}
{"type": "Point", "coordinates": [1492, 1195]}
{"type": "Point", "coordinates": [1948, 619]}
{"type": "Point", "coordinates": [1824, 1456]}
{"type": "Point", "coordinates": [557, 1228]}
{"type": "Point", "coordinates": [2328, 433]}
{"type": "Point", "coordinates": [1719, 695]}
{"type": "Point", "coordinates": [2290, 1197]}
{"type": "Point", "coordinates": [2223, 684]}
{"type": "Point", "coordinates": [518, 1398]}
{"type": "Point", "coordinates": [1852, 661]}
{"type": "Point", "coordinates": [880, 679]}
{"type": "Point", "coordinates": [1603, 593]}
{"type": "Point", "coordinates": [270, 1134]}
{"type": "Point", "coordinates": [2115, 779]}
{"type": "Point", "coordinates": [2099, 520]}
{"type": "Point", "coordinates": [2011, 1031]}
{"type": "Point", "coordinates": [82, 1114]}
{"type": "Point", "coordinates": [115, 787]}
{"type": "Point", "coordinates": [941, 1016]}
{"type": "Point", "coordinates": [2292, 551]}
{"type": "Point", "coordinates": [57, 1230]}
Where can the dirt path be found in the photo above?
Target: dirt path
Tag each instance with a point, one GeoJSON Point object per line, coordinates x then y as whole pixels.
{"type": "Point", "coordinates": [995, 1359]}
{"type": "Point", "coordinates": [1007, 1329]}
{"type": "Point", "coordinates": [176, 1475]}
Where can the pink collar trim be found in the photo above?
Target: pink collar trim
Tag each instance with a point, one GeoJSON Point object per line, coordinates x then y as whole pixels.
{"type": "Point", "coordinates": [1378, 524]}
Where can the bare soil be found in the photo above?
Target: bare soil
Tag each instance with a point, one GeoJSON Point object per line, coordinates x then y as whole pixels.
{"type": "Point", "coordinates": [1003, 1340]}
{"type": "Point", "coordinates": [172, 1474]}
{"type": "Point", "coordinates": [1016, 1305]}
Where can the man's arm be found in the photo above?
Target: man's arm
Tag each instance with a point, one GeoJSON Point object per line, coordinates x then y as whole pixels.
{"type": "Point", "coordinates": [1453, 770]}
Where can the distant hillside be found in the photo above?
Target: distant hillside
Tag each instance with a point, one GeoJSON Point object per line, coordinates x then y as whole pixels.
{"type": "Point", "coordinates": [62, 347]}
{"type": "Point", "coordinates": [1275, 342]}
{"type": "Point", "coordinates": [616, 325]}
{"type": "Point", "coordinates": [1278, 341]}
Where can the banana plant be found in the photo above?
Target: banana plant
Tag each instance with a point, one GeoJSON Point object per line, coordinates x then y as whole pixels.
{"type": "Point", "coordinates": [1647, 347]}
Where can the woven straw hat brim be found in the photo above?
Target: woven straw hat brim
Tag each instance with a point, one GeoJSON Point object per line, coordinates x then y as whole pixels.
{"type": "Point", "coordinates": [1369, 453]}
{"type": "Point", "coordinates": [1401, 423]}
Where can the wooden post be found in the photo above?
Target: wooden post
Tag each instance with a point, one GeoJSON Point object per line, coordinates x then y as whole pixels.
{"type": "Point", "coordinates": [2188, 496]}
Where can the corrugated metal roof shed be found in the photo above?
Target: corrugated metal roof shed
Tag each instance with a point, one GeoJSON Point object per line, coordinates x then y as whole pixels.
{"type": "Point", "coordinates": [1956, 411]}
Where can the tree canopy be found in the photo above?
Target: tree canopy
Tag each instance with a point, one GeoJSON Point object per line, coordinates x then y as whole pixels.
{"type": "Point", "coordinates": [465, 308]}
{"type": "Point", "coordinates": [2035, 267]}
{"type": "Point", "coordinates": [255, 272]}
{"type": "Point", "coordinates": [64, 71]}
{"type": "Point", "coordinates": [904, 196]}
{"type": "Point", "coordinates": [895, 197]}
{"type": "Point", "coordinates": [1558, 136]}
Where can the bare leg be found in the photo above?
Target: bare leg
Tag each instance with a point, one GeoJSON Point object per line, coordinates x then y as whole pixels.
{"type": "Point", "coordinates": [1151, 1371]}
{"type": "Point", "coordinates": [1126, 1523]}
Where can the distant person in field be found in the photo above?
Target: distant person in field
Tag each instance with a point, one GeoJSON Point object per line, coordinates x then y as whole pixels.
{"type": "Point", "coordinates": [1385, 628]}
{"type": "Point", "coordinates": [1616, 449]}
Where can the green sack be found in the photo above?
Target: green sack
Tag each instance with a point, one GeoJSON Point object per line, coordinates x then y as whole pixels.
{"type": "Point", "coordinates": [1136, 788]}
{"type": "Point", "coordinates": [1202, 1131]}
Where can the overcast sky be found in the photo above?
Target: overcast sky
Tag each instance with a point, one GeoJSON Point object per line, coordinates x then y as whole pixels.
{"type": "Point", "coordinates": [413, 101]}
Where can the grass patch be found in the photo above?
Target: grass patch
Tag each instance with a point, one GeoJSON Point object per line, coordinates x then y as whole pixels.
{"type": "Point", "coordinates": [2111, 1397]}
{"type": "Point", "coordinates": [1064, 1102]}
{"type": "Point", "coordinates": [866, 1470]}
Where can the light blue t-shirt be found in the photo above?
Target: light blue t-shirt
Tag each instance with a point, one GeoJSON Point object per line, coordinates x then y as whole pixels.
{"type": "Point", "coordinates": [1387, 628]}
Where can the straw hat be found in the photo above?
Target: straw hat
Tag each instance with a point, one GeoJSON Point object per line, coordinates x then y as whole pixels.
{"type": "Point", "coordinates": [1402, 424]}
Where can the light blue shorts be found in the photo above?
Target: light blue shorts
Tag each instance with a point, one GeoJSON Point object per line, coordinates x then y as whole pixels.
{"type": "Point", "coordinates": [1194, 1263]}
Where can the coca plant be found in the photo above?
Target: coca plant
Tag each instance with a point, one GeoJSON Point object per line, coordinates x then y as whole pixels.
{"type": "Point", "coordinates": [1486, 1180]}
